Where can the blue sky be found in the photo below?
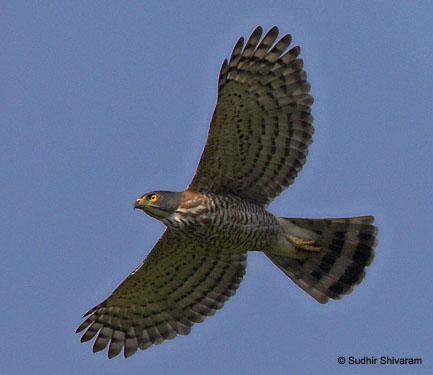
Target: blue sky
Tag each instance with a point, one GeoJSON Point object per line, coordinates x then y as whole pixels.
{"type": "Point", "coordinates": [103, 101]}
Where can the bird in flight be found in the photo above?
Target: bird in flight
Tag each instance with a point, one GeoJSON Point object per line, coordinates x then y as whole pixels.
{"type": "Point", "coordinates": [257, 143]}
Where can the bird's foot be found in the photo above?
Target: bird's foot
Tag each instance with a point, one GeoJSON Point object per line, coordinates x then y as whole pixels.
{"type": "Point", "coordinates": [301, 244]}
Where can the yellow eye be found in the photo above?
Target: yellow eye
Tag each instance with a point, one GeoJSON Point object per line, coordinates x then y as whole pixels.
{"type": "Point", "coordinates": [153, 198]}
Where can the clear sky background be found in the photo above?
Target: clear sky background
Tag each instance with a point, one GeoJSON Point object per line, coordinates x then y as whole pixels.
{"type": "Point", "coordinates": [102, 101]}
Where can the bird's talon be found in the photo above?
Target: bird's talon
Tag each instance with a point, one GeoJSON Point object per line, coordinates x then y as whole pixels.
{"type": "Point", "coordinates": [300, 244]}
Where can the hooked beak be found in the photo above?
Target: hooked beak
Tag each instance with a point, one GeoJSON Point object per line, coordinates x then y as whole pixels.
{"type": "Point", "coordinates": [139, 203]}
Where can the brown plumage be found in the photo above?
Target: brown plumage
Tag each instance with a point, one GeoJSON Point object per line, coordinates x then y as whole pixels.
{"type": "Point", "coordinates": [261, 128]}
{"type": "Point", "coordinates": [257, 144]}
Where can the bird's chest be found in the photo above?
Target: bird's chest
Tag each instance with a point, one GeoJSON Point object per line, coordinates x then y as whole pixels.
{"type": "Point", "coordinates": [235, 226]}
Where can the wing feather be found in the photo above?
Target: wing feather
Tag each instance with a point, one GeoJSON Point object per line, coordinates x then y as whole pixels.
{"type": "Point", "coordinates": [181, 282]}
{"type": "Point", "coordinates": [262, 126]}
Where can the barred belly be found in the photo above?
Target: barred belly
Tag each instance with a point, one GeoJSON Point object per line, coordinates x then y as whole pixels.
{"type": "Point", "coordinates": [226, 220]}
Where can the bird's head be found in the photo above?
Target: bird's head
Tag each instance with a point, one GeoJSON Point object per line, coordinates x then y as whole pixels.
{"type": "Point", "coordinates": [159, 204]}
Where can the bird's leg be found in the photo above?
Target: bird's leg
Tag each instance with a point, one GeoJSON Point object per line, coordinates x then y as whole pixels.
{"type": "Point", "coordinates": [301, 244]}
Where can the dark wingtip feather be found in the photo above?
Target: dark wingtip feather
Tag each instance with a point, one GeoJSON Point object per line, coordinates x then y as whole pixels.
{"type": "Point", "coordinates": [80, 328]}
{"type": "Point", "coordinates": [273, 31]}
{"type": "Point", "coordinates": [257, 31]}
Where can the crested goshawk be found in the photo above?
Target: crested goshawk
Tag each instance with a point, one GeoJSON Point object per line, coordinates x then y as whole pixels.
{"type": "Point", "coordinates": [257, 144]}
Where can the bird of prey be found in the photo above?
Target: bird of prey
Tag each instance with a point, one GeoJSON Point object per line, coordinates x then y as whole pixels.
{"type": "Point", "coordinates": [257, 144]}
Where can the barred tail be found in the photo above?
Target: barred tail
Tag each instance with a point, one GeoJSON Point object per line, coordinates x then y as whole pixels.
{"type": "Point", "coordinates": [346, 249]}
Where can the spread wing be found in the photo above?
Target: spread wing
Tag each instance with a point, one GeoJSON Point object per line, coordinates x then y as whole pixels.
{"type": "Point", "coordinates": [261, 127]}
{"type": "Point", "coordinates": [178, 284]}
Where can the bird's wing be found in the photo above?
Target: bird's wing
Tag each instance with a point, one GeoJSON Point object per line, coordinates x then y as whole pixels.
{"type": "Point", "coordinates": [179, 283]}
{"type": "Point", "coordinates": [261, 127]}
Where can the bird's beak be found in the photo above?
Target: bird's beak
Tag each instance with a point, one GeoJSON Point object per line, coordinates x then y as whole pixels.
{"type": "Point", "coordinates": [139, 203]}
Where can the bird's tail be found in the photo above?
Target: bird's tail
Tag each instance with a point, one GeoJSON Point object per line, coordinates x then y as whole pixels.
{"type": "Point", "coordinates": [327, 257]}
